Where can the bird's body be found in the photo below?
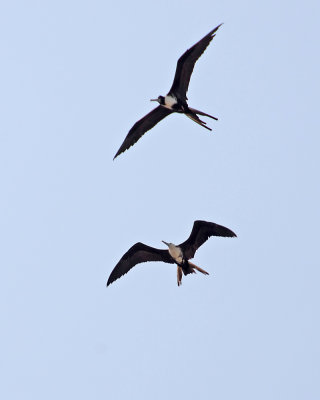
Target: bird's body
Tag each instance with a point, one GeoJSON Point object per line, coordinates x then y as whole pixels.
{"type": "Point", "coordinates": [176, 98]}
{"type": "Point", "coordinates": [176, 254]}
{"type": "Point", "coordinates": [170, 102]}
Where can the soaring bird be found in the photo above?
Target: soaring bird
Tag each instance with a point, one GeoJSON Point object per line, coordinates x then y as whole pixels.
{"type": "Point", "coordinates": [179, 255]}
{"type": "Point", "coordinates": [176, 99]}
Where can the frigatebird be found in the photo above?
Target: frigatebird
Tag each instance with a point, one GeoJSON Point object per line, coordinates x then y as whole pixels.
{"type": "Point", "coordinates": [176, 99]}
{"type": "Point", "coordinates": [179, 255]}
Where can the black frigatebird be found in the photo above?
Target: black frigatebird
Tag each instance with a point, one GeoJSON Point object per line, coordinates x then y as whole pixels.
{"type": "Point", "coordinates": [176, 99]}
{"type": "Point", "coordinates": [179, 255]}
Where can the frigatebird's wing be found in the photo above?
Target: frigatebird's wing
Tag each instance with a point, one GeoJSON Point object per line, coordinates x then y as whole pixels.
{"type": "Point", "coordinates": [200, 233]}
{"type": "Point", "coordinates": [138, 253]}
{"type": "Point", "coordinates": [186, 63]}
{"type": "Point", "coordinates": [142, 126]}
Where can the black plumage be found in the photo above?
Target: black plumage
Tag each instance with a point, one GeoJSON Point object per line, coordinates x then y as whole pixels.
{"type": "Point", "coordinates": [140, 252]}
{"type": "Point", "coordinates": [142, 126]}
{"type": "Point", "coordinates": [200, 233]}
{"type": "Point", "coordinates": [186, 64]}
{"type": "Point", "coordinates": [137, 254]}
{"type": "Point", "coordinates": [178, 96]}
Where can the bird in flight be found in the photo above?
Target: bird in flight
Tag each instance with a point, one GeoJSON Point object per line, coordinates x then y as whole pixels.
{"type": "Point", "coordinates": [179, 255]}
{"type": "Point", "coordinates": [176, 99]}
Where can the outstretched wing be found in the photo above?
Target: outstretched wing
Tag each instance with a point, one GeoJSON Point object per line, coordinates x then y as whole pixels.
{"type": "Point", "coordinates": [138, 253]}
{"type": "Point", "coordinates": [200, 233]}
{"type": "Point", "coordinates": [142, 126]}
{"type": "Point", "coordinates": [186, 63]}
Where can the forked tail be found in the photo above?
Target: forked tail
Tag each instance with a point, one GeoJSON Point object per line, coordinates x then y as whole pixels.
{"type": "Point", "coordinates": [196, 119]}
{"type": "Point", "coordinates": [202, 113]}
{"type": "Point", "coordinates": [193, 266]}
{"type": "Point", "coordinates": [190, 269]}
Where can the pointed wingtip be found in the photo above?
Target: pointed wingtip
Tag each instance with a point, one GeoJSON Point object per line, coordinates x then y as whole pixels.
{"type": "Point", "coordinates": [118, 153]}
{"type": "Point", "coordinates": [108, 282]}
{"type": "Point", "coordinates": [216, 28]}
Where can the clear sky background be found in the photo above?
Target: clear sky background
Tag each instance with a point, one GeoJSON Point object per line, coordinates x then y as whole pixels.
{"type": "Point", "coordinates": [75, 76]}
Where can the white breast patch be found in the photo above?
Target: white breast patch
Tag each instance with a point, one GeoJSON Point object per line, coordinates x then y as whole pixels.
{"type": "Point", "coordinates": [170, 101]}
{"type": "Point", "coordinates": [175, 253]}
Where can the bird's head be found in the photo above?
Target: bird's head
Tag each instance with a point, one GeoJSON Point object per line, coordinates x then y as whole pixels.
{"type": "Point", "coordinates": [160, 100]}
{"type": "Point", "coordinates": [168, 244]}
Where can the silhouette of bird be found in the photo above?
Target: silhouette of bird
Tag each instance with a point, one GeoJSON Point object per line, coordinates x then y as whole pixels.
{"type": "Point", "coordinates": [179, 255]}
{"type": "Point", "coordinates": [176, 99]}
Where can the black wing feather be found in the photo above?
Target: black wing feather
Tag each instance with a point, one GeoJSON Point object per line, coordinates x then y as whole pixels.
{"type": "Point", "coordinates": [142, 126]}
{"type": "Point", "coordinates": [138, 253]}
{"type": "Point", "coordinates": [200, 233]}
{"type": "Point", "coordinates": [186, 64]}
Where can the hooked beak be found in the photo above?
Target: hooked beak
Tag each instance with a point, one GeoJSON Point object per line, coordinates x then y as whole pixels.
{"type": "Point", "coordinates": [154, 100]}
{"type": "Point", "coordinates": [165, 242]}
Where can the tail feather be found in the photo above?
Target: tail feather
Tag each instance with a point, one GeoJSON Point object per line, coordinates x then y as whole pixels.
{"type": "Point", "coordinates": [196, 119]}
{"type": "Point", "coordinates": [179, 275]}
{"type": "Point", "coordinates": [189, 269]}
{"type": "Point", "coordinates": [198, 269]}
{"type": "Point", "coordinates": [202, 113]}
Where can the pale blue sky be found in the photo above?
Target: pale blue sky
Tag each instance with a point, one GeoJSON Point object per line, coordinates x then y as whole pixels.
{"type": "Point", "coordinates": [75, 76]}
